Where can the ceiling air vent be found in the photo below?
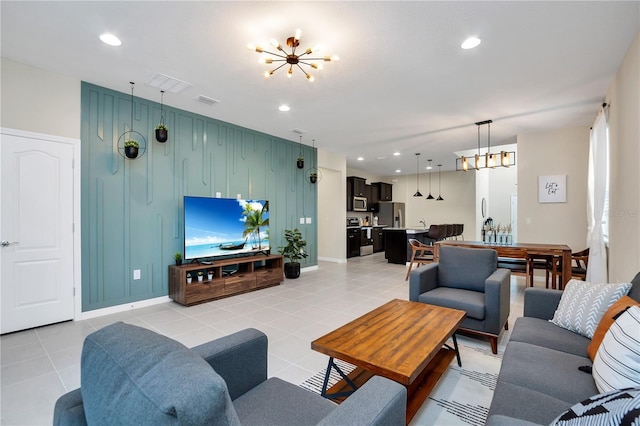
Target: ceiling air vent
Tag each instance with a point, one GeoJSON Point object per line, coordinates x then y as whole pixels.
{"type": "Point", "coordinates": [207, 100]}
{"type": "Point", "coordinates": [168, 84]}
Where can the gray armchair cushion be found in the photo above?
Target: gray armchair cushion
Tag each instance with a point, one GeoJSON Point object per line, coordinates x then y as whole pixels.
{"type": "Point", "coordinates": [465, 268]}
{"type": "Point", "coordinates": [276, 402]}
{"type": "Point", "coordinates": [473, 302]}
{"type": "Point", "coordinates": [154, 381]}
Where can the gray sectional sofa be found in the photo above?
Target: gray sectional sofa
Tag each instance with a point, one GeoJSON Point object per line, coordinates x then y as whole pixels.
{"type": "Point", "coordinates": [539, 378]}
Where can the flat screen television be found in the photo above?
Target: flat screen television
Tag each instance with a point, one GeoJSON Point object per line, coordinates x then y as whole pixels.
{"type": "Point", "coordinates": [215, 227]}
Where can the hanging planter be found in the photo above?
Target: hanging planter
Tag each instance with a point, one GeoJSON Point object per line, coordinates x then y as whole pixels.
{"type": "Point", "coordinates": [131, 147]}
{"type": "Point", "coordinates": [132, 144]}
{"type": "Point", "coordinates": [300, 159]}
{"type": "Point", "coordinates": [162, 132]}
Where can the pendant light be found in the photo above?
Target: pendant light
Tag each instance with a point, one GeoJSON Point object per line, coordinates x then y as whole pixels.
{"type": "Point", "coordinates": [439, 193]}
{"type": "Point", "coordinates": [418, 193]}
{"type": "Point", "coordinates": [430, 197]}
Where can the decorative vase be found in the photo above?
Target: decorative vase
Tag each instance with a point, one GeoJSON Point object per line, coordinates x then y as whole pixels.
{"type": "Point", "coordinates": [162, 135]}
{"type": "Point", "coordinates": [131, 151]}
{"type": "Point", "coordinates": [292, 270]}
{"type": "Point", "coordinates": [300, 163]}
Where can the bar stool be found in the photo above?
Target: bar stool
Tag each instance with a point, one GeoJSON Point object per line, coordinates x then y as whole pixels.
{"type": "Point", "coordinates": [419, 254]}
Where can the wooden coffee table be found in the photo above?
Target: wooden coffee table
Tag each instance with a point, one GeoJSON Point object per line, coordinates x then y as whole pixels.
{"type": "Point", "coordinates": [401, 340]}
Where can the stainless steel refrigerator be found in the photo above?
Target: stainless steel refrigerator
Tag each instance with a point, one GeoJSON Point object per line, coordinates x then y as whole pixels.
{"type": "Point", "coordinates": [391, 214]}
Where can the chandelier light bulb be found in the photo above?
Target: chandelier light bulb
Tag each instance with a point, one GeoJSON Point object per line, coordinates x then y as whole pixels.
{"type": "Point", "coordinates": [465, 163]}
{"type": "Point", "coordinates": [275, 43]}
{"type": "Point", "coordinates": [298, 34]}
{"type": "Point", "coordinates": [310, 78]}
{"type": "Point", "coordinates": [289, 72]}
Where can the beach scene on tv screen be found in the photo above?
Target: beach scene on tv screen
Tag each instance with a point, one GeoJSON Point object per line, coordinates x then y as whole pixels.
{"type": "Point", "coordinates": [224, 226]}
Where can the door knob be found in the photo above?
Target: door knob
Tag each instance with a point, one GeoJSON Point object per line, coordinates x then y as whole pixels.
{"type": "Point", "coordinates": [5, 243]}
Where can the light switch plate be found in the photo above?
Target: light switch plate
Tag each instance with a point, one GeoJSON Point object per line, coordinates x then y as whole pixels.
{"type": "Point", "coordinates": [308, 220]}
{"type": "Point", "coordinates": [302, 221]}
{"type": "Point", "coordinates": [136, 274]}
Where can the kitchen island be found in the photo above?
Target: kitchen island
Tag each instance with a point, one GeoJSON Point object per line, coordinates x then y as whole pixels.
{"type": "Point", "coordinates": [396, 243]}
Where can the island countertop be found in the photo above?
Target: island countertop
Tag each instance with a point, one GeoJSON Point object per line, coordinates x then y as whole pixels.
{"type": "Point", "coordinates": [396, 243]}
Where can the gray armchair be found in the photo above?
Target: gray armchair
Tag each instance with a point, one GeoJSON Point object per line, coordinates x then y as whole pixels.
{"type": "Point", "coordinates": [131, 375]}
{"type": "Point", "coordinates": [467, 279]}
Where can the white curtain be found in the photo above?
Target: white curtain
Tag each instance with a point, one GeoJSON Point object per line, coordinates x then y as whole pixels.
{"type": "Point", "coordinates": [598, 181]}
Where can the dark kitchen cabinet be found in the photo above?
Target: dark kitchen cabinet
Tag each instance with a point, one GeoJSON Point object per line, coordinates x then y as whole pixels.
{"type": "Point", "coordinates": [372, 198]}
{"type": "Point", "coordinates": [378, 240]}
{"type": "Point", "coordinates": [353, 242]}
{"type": "Point", "coordinates": [358, 186]}
{"type": "Point", "coordinates": [384, 191]}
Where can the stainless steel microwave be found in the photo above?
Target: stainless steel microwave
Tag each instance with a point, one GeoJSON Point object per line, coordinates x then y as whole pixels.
{"type": "Point", "coordinates": [359, 204]}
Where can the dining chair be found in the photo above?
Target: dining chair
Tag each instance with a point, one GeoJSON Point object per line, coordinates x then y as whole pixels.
{"type": "Point", "coordinates": [420, 254]}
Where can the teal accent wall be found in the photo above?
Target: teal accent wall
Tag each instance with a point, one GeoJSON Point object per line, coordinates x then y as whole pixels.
{"type": "Point", "coordinates": [132, 214]}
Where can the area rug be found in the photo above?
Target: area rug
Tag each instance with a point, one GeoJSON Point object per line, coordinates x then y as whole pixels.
{"type": "Point", "coordinates": [461, 397]}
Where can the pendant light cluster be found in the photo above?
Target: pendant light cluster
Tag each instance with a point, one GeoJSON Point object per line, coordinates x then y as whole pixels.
{"type": "Point", "coordinates": [489, 160]}
{"type": "Point", "coordinates": [429, 167]}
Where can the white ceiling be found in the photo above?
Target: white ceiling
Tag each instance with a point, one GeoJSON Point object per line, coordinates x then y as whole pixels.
{"type": "Point", "coordinates": [402, 83]}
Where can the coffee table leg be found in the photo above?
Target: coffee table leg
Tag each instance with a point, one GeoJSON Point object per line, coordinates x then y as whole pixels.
{"type": "Point", "coordinates": [344, 376]}
{"type": "Point", "coordinates": [455, 348]}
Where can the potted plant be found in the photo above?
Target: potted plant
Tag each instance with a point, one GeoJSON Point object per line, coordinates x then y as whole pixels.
{"type": "Point", "coordinates": [313, 177]}
{"type": "Point", "coordinates": [178, 258]}
{"type": "Point", "coordinates": [131, 148]}
{"type": "Point", "coordinates": [209, 275]}
{"type": "Point", "coordinates": [162, 132]}
{"type": "Point", "coordinates": [200, 276]}
{"type": "Point", "coordinates": [189, 278]}
{"type": "Point", "coordinates": [293, 251]}
{"type": "Point", "coordinates": [300, 162]}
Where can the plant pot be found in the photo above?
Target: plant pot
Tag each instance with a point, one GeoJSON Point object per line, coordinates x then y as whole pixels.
{"type": "Point", "coordinates": [178, 262]}
{"type": "Point", "coordinates": [313, 178]}
{"type": "Point", "coordinates": [162, 135]}
{"type": "Point", "coordinates": [300, 164]}
{"type": "Point", "coordinates": [210, 276]}
{"type": "Point", "coordinates": [292, 270]}
{"type": "Point", "coordinates": [200, 278]}
{"type": "Point", "coordinates": [131, 151]}
{"type": "Point", "coordinates": [189, 280]}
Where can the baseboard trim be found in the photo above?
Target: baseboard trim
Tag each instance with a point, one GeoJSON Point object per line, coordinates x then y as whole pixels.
{"type": "Point", "coordinates": [122, 308]}
{"type": "Point", "coordinates": [332, 259]}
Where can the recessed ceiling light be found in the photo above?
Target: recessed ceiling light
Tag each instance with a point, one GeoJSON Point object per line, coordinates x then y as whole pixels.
{"type": "Point", "coordinates": [470, 43]}
{"type": "Point", "coordinates": [360, 158]}
{"type": "Point", "coordinates": [396, 154]}
{"type": "Point", "coordinates": [398, 171]}
{"type": "Point", "coordinates": [110, 39]}
{"type": "Point", "coordinates": [284, 108]}
{"type": "Point", "coordinates": [382, 157]}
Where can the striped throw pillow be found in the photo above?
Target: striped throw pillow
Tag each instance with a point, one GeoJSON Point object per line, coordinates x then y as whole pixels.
{"type": "Point", "coordinates": [617, 363]}
{"type": "Point", "coordinates": [583, 304]}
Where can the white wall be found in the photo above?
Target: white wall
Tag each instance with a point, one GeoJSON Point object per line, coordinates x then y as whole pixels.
{"type": "Point", "coordinates": [565, 151]}
{"type": "Point", "coordinates": [332, 206]}
{"type": "Point", "coordinates": [624, 132]}
{"type": "Point", "coordinates": [39, 101]}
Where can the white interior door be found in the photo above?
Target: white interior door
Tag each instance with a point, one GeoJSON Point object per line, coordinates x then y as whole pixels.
{"type": "Point", "coordinates": [36, 230]}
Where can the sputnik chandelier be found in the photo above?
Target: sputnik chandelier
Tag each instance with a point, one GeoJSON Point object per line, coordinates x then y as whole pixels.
{"type": "Point", "coordinates": [291, 58]}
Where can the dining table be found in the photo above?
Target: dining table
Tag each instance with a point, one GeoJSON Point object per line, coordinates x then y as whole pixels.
{"type": "Point", "coordinates": [520, 251]}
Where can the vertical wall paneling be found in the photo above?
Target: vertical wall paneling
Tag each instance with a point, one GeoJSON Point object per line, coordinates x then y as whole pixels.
{"type": "Point", "coordinates": [132, 212]}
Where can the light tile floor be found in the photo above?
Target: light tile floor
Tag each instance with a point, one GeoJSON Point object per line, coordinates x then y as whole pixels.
{"type": "Point", "coordinates": [39, 365]}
